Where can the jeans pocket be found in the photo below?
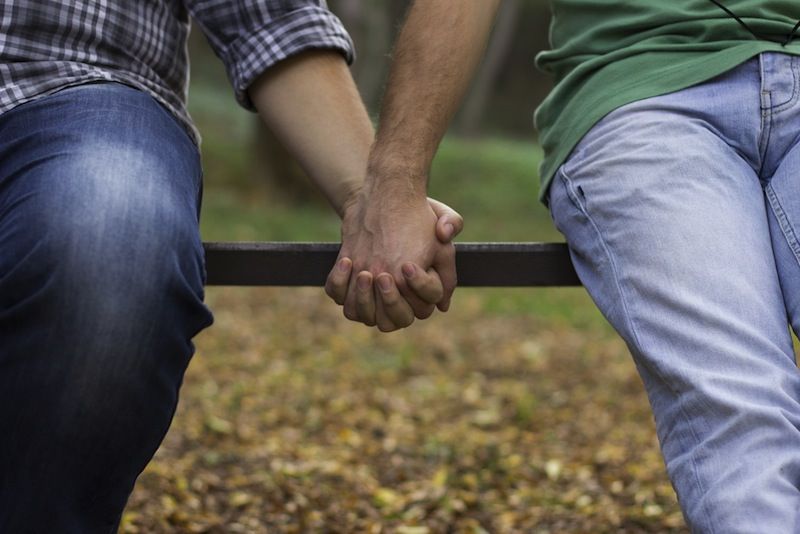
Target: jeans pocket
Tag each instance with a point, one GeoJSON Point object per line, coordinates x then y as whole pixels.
{"type": "Point", "coordinates": [566, 201]}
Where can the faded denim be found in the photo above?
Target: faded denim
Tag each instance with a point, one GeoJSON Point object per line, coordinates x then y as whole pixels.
{"type": "Point", "coordinates": [682, 213]}
{"type": "Point", "coordinates": [101, 288]}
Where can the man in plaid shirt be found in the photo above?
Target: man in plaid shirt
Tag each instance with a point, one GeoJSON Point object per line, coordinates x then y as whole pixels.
{"type": "Point", "coordinates": [101, 264]}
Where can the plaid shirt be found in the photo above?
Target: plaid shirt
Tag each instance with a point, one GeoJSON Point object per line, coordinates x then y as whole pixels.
{"type": "Point", "coordinates": [47, 45]}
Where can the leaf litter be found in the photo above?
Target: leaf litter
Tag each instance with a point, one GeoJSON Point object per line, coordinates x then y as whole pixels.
{"type": "Point", "coordinates": [293, 420]}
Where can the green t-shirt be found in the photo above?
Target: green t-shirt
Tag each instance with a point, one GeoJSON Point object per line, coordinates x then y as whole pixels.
{"type": "Point", "coordinates": [608, 53]}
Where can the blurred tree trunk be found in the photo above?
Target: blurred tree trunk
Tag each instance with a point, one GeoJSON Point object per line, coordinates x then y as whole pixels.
{"type": "Point", "coordinates": [499, 46]}
{"type": "Point", "coordinates": [371, 25]}
{"type": "Point", "coordinates": [273, 165]}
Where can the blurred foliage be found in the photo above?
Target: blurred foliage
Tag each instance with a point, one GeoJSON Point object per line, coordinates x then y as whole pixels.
{"type": "Point", "coordinates": [491, 183]}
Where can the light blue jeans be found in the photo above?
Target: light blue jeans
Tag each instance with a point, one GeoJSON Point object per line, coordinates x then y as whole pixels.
{"type": "Point", "coordinates": [682, 213]}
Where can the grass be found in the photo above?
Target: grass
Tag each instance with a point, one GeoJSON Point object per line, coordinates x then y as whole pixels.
{"type": "Point", "coordinates": [491, 183]}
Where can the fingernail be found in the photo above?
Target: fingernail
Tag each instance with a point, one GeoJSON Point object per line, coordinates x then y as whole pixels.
{"type": "Point", "coordinates": [409, 270]}
{"type": "Point", "coordinates": [363, 282]}
{"type": "Point", "coordinates": [384, 283]}
{"type": "Point", "coordinates": [344, 265]}
{"type": "Point", "coordinates": [449, 230]}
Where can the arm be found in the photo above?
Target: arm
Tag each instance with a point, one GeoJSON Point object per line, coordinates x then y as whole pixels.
{"type": "Point", "coordinates": [435, 57]}
{"type": "Point", "coordinates": [391, 223]}
{"type": "Point", "coordinates": [312, 105]}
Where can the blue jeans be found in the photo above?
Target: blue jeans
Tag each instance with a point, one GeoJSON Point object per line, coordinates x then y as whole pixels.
{"type": "Point", "coordinates": [101, 288]}
{"type": "Point", "coordinates": [682, 213]}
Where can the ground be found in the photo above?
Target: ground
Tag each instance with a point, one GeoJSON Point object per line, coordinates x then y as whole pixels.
{"type": "Point", "coordinates": [490, 418]}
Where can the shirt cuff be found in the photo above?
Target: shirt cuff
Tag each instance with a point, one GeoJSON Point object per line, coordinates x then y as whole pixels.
{"type": "Point", "coordinates": [303, 29]}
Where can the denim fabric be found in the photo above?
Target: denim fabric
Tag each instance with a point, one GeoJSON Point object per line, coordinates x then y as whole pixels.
{"type": "Point", "coordinates": [101, 287]}
{"type": "Point", "coordinates": [682, 213]}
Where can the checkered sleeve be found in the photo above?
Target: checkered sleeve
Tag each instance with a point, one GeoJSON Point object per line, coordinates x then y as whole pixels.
{"type": "Point", "coordinates": [252, 35]}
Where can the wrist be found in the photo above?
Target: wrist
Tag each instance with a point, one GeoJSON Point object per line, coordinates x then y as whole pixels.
{"type": "Point", "coordinates": [347, 195]}
{"type": "Point", "coordinates": [393, 175]}
{"type": "Point", "coordinates": [395, 154]}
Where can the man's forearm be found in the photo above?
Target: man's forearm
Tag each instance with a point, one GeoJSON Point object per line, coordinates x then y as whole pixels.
{"type": "Point", "coordinates": [436, 54]}
{"type": "Point", "coordinates": [312, 105]}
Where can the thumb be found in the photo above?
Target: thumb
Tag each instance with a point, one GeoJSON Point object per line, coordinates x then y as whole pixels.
{"type": "Point", "coordinates": [449, 222]}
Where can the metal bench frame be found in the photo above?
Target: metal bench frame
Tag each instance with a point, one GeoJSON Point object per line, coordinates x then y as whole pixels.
{"type": "Point", "coordinates": [308, 264]}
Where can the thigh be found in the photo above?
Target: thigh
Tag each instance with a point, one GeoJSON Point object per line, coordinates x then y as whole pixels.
{"type": "Point", "coordinates": [667, 225]}
{"type": "Point", "coordinates": [101, 275]}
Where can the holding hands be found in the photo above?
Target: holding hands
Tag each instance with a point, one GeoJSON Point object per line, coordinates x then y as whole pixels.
{"type": "Point", "coordinates": [397, 260]}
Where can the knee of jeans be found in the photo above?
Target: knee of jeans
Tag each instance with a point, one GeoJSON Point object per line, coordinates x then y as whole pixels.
{"type": "Point", "coordinates": [121, 282]}
{"type": "Point", "coordinates": [103, 299]}
{"type": "Point", "coordinates": [116, 241]}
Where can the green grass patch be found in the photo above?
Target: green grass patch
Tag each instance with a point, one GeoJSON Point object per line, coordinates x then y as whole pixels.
{"type": "Point", "coordinates": [491, 183]}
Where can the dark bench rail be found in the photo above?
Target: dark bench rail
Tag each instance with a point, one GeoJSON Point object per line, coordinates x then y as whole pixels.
{"type": "Point", "coordinates": [308, 264]}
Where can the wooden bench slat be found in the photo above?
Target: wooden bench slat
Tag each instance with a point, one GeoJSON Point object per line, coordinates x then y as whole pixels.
{"type": "Point", "coordinates": [308, 264]}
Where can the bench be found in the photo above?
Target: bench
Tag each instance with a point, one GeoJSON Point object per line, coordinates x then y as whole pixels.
{"type": "Point", "coordinates": [308, 264]}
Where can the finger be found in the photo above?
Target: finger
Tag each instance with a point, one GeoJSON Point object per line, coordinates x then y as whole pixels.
{"type": "Point", "coordinates": [394, 312]}
{"type": "Point", "coordinates": [350, 308]}
{"type": "Point", "coordinates": [449, 223]}
{"type": "Point", "coordinates": [426, 285]}
{"type": "Point", "coordinates": [337, 281]}
{"type": "Point", "coordinates": [365, 298]}
{"type": "Point", "coordinates": [419, 307]}
{"type": "Point", "coordinates": [445, 264]}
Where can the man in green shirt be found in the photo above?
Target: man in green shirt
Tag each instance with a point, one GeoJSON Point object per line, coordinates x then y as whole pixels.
{"type": "Point", "coordinates": [672, 166]}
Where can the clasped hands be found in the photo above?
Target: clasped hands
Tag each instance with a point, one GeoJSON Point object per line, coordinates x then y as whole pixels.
{"type": "Point", "coordinates": [397, 259]}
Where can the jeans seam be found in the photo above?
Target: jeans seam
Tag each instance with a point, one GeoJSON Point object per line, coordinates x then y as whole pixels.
{"type": "Point", "coordinates": [627, 318]}
{"type": "Point", "coordinates": [766, 131]}
{"type": "Point", "coordinates": [783, 221]}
